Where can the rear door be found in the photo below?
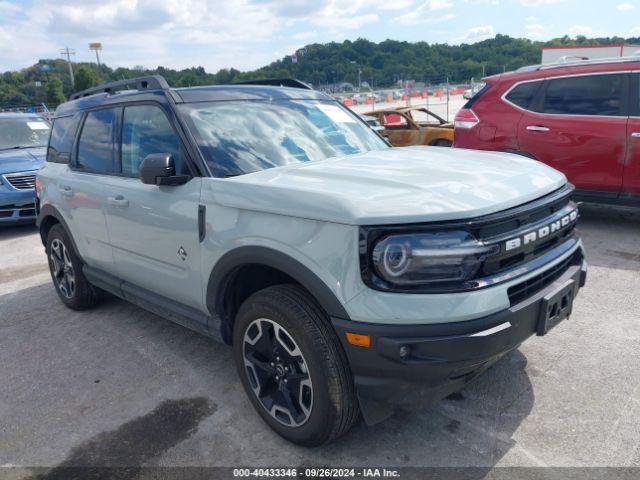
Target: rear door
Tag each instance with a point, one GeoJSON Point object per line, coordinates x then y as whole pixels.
{"type": "Point", "coordinates": [154, 229]}
{"type": "Point", "coordinates": [81, 189]}
{"type": "Point", "coordinates": [631, 177]}
{"type": "Point", "coordinates": [578, 125]}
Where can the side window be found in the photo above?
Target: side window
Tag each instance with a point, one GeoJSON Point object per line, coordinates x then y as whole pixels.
{"type": "Point", "coordinates": [523, 94]}
{"type": "Point", "coordinates": [146, 130]}
{"type": "Point", "coordinates": [61, 140]}
{"type": "Point", "coordinates": [585, 95]}
{"type": "Point", "coordinates": [394, 120]}
{"type": "Point", "coordinates": [95, 147]}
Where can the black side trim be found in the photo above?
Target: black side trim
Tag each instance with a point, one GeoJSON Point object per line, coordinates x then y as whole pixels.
{"type": "Point", "coordinates": [171, 310]}
{"type": "Point", "coordinates": [607, 198]}
{"type": "Point", "coordinates": [202, 218]}
{"type": "Point", "coordinates": [271, 258]}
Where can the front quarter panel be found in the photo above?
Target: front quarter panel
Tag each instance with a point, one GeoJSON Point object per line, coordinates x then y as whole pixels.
{"type": "Point", "coordinates": [328, 250]}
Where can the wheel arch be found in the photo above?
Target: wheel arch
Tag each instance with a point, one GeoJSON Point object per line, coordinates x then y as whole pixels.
{"type": "Point", "coordinates": [261, 264]}
{"type": "Point", "coordinates": [47, 218]}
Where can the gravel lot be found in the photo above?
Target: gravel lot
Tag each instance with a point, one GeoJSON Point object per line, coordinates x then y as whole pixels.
{"type": "Point", "coordinates": [77, 387]}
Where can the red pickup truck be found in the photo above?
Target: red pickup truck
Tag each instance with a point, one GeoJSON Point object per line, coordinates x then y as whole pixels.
{"type": "Point", "coordinates": [582, 118]}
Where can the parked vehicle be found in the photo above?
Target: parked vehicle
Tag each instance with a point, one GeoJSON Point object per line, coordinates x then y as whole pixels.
{"type": "Point", "coordinates": [582, 118]}
{"type": "Point", "coordinates": [372, 122]}
{"type": "Point", "coordinates": [347, 275]}
{"type": "Point", "coordinates": [414, 126]}
{"type": "Point", "coordinates": [23, 139]}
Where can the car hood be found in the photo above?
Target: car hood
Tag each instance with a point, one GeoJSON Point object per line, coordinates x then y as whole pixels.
{"type": "Point", "coordinates": [396, 185]}
{"type": "Point", "coordinates": [20, 160]}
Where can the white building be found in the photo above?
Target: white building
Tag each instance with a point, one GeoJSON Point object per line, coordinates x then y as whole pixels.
{"type": "Point", "coordinates": [557, 53]}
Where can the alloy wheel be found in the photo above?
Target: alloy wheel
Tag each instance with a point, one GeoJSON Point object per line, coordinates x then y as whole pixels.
{"type": "Point", "coordinates": [277, 372]}
{"type": "Point", "coordinates": [62, 268]}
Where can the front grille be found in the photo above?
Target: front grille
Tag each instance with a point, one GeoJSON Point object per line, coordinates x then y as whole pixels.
{"type": "Point", "coordinates": [22, 181]}
{"type": "Point", "coordinates": [23, 210]}
{"type": "Point", "coordinates": [30, 212]}
{"type": "Point", "coordinates": [524, 290]}
{"type": "Point", "coordinates": [527, 221]}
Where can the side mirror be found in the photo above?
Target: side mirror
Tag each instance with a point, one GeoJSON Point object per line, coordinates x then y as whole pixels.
{"type": "Point", "coordinates": [160, 169]}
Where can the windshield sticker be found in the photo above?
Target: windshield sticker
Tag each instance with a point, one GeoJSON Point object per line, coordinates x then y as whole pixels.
{"type": "Point", "coordinates": [38, 126]}
{"type": "Point", "coordinates": [335, 113]}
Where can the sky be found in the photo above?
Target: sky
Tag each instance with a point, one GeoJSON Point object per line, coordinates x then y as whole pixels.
{"type": "Point", "coordinates": [246, 34]}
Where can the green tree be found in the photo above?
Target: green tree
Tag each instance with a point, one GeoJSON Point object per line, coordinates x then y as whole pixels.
{"type": "Point", "coordinates": [55, 95]}
{"type": "Point", "coordinates": [85, 78]}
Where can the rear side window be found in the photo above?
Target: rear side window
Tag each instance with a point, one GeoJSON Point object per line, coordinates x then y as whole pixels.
{"type": "Point", "coordinates": [585, 95]}
{"type": "Point", "coordinates": [522, 95]}
{"type": "Point", "coordinates": [62, 136]}
{"type": "Point", "coordinates": [95, 147]}
{"type": "Point", "coordinates": [477, 96]}
{"type": "Point", "coordinates": [146, 130]}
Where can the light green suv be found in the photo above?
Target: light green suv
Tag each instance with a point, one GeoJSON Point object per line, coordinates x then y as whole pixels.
{"type": "Point", "coordinates": [348, 276]}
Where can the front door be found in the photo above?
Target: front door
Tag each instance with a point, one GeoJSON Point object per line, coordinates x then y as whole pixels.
{"type": "Point", "coordinates": [400, 131]}
{"type": "Point", "coordinates": [154, 229]}
{"type": "Point", "coordinates": [579, 127]}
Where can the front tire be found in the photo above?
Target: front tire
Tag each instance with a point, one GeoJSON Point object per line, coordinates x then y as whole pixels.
{"type": "Point", "coordinates": [65, 266]}
{"type": "Point", "coordinates": [292, 366]}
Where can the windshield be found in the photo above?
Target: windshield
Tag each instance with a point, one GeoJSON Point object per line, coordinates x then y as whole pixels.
{"type": "Point", "coordinates": [24, 132]}
{"type": "Point", "coordinates": [239, 137]}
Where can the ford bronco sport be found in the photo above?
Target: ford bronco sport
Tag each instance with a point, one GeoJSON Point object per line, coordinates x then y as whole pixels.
{"type": "Point", "coordinates": [347, 275]}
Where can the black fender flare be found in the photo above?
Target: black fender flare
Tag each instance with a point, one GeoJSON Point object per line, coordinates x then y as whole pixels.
{"type": "Point", "coordinates": [269, 257]}
{"type": "Point", "coordinates": [51, 211]}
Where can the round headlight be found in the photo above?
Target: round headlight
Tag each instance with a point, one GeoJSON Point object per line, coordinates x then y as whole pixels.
{"type": "Point", "coordinates": [395, 259]}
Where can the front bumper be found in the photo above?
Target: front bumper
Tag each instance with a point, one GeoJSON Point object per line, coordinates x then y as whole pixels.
{"type": "Point", "coordinates": [17, 206]}
{"type": "Point", "coordinates": [442, 357]}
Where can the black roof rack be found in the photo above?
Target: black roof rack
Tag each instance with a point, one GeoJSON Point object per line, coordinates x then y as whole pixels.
{"type": "Point", "coordinates": [151, 82]}
{"type": "Point", "coordinates": [279, 82]}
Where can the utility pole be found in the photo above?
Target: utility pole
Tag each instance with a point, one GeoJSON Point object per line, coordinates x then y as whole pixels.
{"type": "Point", "coordinates": [96, 46]}
{"type": "Point", "coordinates": [483, 70]}
{"type": "Point", "coordinates": [67, 52]}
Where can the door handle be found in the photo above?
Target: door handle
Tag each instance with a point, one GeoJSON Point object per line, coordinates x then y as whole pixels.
{"type": "Point", "coordinates": [65, 191]}
{"type": "Point", "coordinates": [635, 134]}
{"type": "Point", "coordinates": [118, 201]}
{"type": "Point", "coordinates": [537, 128]}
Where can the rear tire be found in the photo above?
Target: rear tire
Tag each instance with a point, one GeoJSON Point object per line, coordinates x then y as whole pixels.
{"type": "Point", "coordinates": [292, 366]}
{"type": "Point", "coordinates": [65, 266]}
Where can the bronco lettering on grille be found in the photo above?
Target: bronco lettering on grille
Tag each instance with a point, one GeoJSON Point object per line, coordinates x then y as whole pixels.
{"type": "Point", "coordinates": [541, 232]}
